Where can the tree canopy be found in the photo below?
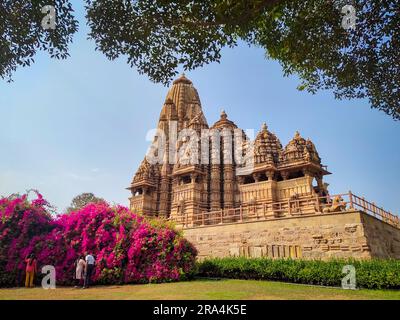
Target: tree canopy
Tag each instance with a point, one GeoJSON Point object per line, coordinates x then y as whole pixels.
{"type": "Point", "coordinates": [22, 34]}
{"type": "Point", "coordinates": [157, 37]}
{"type": "Point", "coordinates": [83, 200]}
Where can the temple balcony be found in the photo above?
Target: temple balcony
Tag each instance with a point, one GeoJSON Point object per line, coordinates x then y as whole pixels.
{"type": "Point", "coordinates": [306, 205]}
{"type": "Point", "coordinates": [272, 190]}
{"type": "Point", "coordinates": [258, 190]}
{"type": "Point", "coordinates": [188, 191]}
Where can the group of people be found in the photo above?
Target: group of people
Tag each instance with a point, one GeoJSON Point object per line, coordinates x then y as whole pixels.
{"type": "Point", "coordinates": [84, 267]}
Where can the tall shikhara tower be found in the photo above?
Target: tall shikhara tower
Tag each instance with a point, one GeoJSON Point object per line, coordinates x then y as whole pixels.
{"type": "Point", "coordinates": [188, 190]}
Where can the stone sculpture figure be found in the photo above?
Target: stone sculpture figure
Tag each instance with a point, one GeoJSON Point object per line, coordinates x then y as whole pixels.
{"type": "Point", "coordinates": [338, 204]}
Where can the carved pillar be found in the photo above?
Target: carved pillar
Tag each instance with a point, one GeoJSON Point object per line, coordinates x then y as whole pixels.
{"type": "Point", "coordinates": [240, 179]}
{"type": "Point", "coordinates": [146, 208]}
{"type": "Point", "coordinates": [256, 177]}
{"type": "Point", "coordinates": [309, 176]}
{"type": "Point", "coordinates": [270, 175]}
{"type": "Point", "coordinates": [229, 190]}
{"type": "Point", "coordinates": [164, 205]}
{"type": "Point", "coordinates": [193, 177]}
{"type": "Point", "coordinates": [285, 175]}
{"type": "Point", "coordinates": [307, 172]}
{"type": "Point", "coordinates": [320, 182]}
{"type": "Point", "coordinates": [215, 188]}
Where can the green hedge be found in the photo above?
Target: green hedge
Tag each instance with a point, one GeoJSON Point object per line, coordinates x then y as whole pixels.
{"type": "Point", "coordinates": [371, 274]}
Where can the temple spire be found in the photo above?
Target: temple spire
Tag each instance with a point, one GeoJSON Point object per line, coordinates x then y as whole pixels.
{"type": "Point", "coordinates": [223, 114]}
{"type": "Point", "coordinates": [264, 127]}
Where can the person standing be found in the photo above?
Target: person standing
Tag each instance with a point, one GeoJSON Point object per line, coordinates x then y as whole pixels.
{"type": "Point", "coordinates": [90, 261]}
{"type": "Point", "coordinates": [80, 271]}
{"type": "Point", "coordinates": [31, 269]}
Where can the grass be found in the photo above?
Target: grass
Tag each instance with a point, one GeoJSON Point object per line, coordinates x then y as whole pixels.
{"type": "Point", "coordinates": [201, 289]}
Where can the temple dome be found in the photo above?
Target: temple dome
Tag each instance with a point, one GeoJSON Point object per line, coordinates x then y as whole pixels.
{"type": "Point", "coordinates": [224, 122]}
{"type": "Point", "coordinates": [267, 146]}
{"type": "Point", "coordinates": [182, 79]}
{"type": "Point", "coordinates": [300, 149]}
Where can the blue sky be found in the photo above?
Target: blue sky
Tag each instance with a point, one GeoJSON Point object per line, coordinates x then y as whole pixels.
{"type": "Point", "coordinates": [79, 125]}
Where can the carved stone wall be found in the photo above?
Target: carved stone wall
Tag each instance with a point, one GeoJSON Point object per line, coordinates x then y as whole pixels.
{"type": "Point", "coordinates": [383, 239]}
{"type": "Point", "coordinates": [341, 235]}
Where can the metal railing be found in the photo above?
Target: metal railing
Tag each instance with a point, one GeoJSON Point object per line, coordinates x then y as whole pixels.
{"type": "Point", "coordinates": [301, 205]}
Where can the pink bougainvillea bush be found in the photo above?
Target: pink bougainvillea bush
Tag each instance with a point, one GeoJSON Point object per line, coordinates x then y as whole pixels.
{"type": "Point", "coordinates": [128, 248]}
{"type": "Point", "coordinates": [23, 225]}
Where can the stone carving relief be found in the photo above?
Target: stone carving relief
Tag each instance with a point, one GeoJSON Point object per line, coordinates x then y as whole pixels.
{"type": "Point", "coordinates": [274, 251]}
{"type": "Point", "coordinates": [338, 204]}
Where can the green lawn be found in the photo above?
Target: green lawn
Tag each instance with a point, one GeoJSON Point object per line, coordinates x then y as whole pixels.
{"type": "Point", "coordinates": [201, 289]}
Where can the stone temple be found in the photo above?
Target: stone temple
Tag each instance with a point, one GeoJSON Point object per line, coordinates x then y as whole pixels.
{"type": "Point", "coordinates": [278, 207]}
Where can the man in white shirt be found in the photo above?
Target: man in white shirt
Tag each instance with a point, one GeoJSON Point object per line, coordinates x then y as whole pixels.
{"type": "Point", "coordinates": [90, 261]}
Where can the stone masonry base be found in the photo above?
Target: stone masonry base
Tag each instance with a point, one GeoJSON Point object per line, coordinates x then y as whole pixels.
{"type": "Point", "coordinates": [337, 235]}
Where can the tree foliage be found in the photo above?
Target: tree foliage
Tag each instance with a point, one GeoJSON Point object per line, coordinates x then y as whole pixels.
{"type": "Point", "coordinates": [22, 35]}
{"type": "Point", "coordinates": [157, 37]}
{"type": "Point", "coordinates": [83, 200]}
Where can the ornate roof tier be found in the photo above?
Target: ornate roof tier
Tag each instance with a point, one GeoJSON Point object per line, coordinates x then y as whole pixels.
{"type": "Point", "coordinates": [300, 149]}
{"type": "Point", "coordinates": [267, 146]}
{"type": "Point", "coordinates": [187, 169]}
{"type": "Point", "coordinates": [168, 111]}
{"type": "Point", "coordinates": [146, 175]}
{"type": "Point", "coordinates": [224, 122]}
